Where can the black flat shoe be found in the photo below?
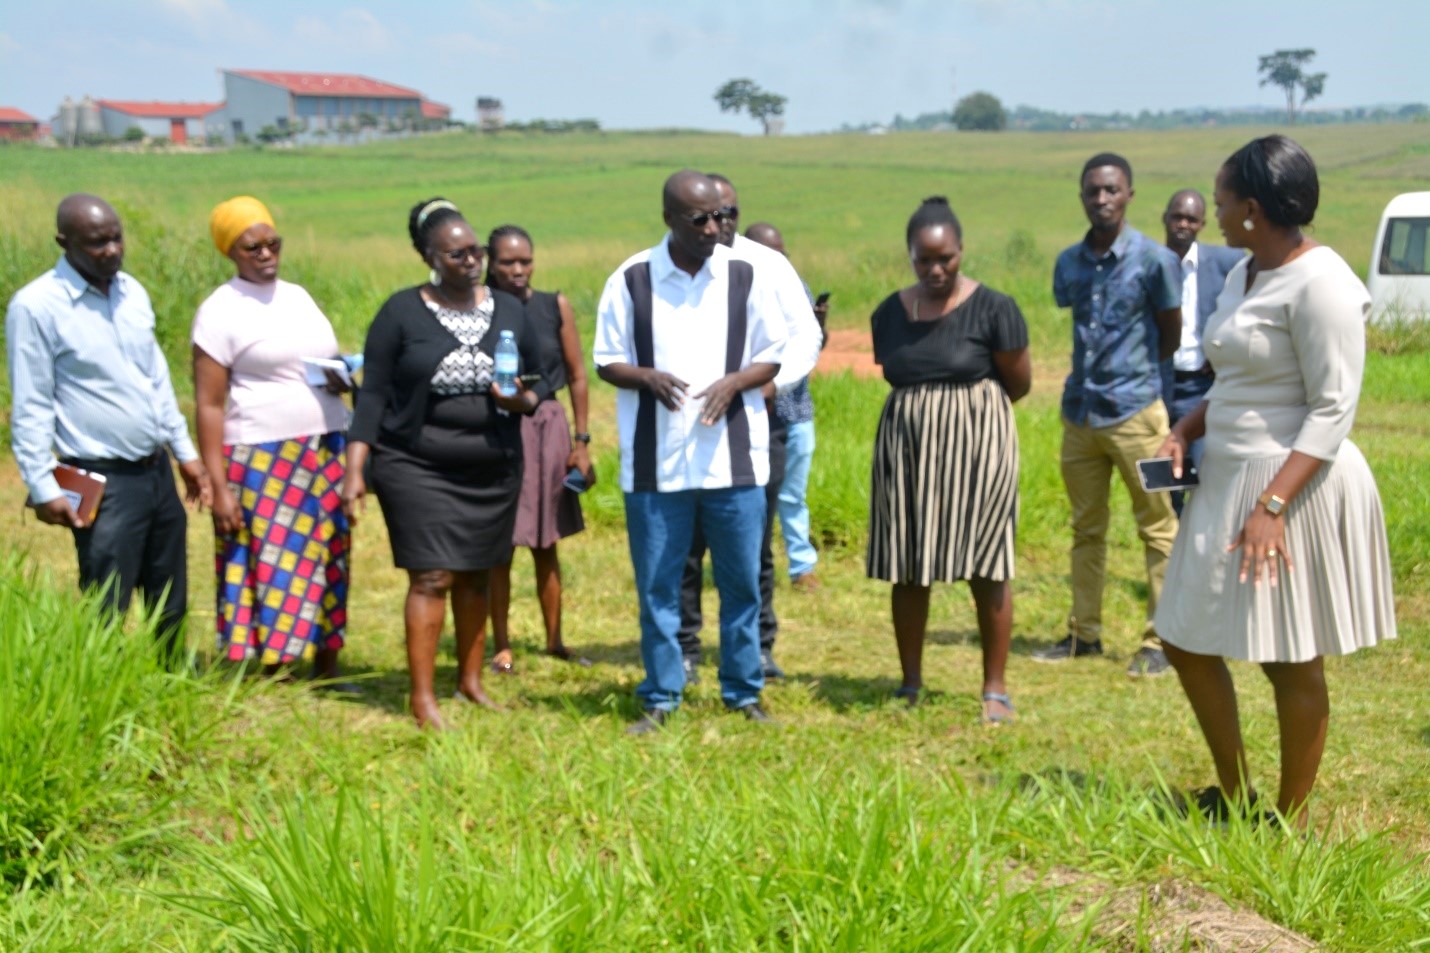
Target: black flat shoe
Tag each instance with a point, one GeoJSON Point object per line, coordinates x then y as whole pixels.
{"type": "Point", "coordinates": [564, 655]}
{"type": "Point", "coordinates": [756, 713]}
{"type": "Point", "coordinates": [651, 720]}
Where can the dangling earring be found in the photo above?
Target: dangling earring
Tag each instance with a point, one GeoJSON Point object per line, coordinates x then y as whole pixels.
{"type": "Point", "coordinates": [1246, 223]}
{"type": "Point", "coordinates": [434, 278]}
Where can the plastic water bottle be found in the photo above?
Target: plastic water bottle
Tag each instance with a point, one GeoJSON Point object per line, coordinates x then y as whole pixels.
{"type": "Point", "coordinates": [507, 363]}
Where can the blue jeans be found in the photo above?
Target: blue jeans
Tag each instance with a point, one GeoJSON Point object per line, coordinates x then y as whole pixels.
{"type": "Point", "coordinates": [794, 511]}
{"type": "Point", "coordinates": [660, 527]}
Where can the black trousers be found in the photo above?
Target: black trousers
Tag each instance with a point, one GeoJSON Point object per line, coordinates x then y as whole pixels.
{"type": "Point", "coordinates": [691, 583]}
{"type": "Point", "coordinates": [137, 541]}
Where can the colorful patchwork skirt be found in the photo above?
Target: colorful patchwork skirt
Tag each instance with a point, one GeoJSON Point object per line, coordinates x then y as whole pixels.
{"type": "Point", "coordinates": [283, 578]}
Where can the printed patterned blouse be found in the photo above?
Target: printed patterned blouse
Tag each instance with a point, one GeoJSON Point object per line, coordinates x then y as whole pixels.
{"type": "Point", "coordinates": [468, 369]}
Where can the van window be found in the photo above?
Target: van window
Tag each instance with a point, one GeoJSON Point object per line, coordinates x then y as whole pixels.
{"type": "Point", "coordinates": [1406, 251]}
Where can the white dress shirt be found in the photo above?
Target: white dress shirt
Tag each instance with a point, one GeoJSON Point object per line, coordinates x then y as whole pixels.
{"type": "Point", "coordinates": [792, 298]}
{"type": "Point", "coordinates": [689, 327]}
{"type": "Point", "coordinates": [1189, 356]}
{"type": "Point", "coordinates": [87, 377]}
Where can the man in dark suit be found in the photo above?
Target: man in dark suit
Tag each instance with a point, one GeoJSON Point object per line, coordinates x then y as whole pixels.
{"type": "Point", "coordinates": [1187, 376]}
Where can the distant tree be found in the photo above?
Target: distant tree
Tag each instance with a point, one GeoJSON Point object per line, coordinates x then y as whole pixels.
{"type": "Point", "coordinates": [745, 95]}
{"type": "Point", "coordinates": [134, 134]}
{"type": "Point", "coordinates": [271, 134]}
{"type": "Point", "coordinates": [1284, 68]}
{"type": "Point", "coordinates": [981, 112]}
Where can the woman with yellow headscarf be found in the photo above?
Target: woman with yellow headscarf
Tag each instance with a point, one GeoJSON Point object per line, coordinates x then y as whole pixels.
{"type": "Point", "coordinates": [281, 537]}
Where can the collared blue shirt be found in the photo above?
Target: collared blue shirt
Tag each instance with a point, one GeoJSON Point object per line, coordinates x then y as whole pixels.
{"type": "Point", "coordinates": [1114, 299]}
{"type": "Point", "coordinates": [87, 377]}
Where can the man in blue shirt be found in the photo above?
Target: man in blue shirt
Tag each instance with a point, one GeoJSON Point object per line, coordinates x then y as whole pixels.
{"type": "Point", "coordinates": [1125, 292]}
{"type": "Point", "coordinates": [90, 385]}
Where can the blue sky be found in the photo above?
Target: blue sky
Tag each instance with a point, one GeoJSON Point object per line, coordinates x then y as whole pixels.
{"type": "Point", "coordinates": [644, 63]}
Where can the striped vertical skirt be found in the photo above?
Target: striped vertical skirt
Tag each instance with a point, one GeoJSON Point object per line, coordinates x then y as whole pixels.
{"type": "Point", "coordinates": [943, 504]}
{"type": "Point", "coordinates": [283, 578]}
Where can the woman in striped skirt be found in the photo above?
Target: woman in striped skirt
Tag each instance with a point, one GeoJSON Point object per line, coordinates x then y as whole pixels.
{"type": "Point", "coordinates": [944, 500]}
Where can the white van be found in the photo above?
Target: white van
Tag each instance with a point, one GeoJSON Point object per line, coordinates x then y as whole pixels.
{"type": "Point", "coordinates": [1399, 278]}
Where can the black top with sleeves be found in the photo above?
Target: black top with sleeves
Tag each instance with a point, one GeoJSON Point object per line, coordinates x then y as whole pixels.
{"type": "Point", "coordinates": [405, 343]}
{"type": "Point", "coordinates": [958, 347]}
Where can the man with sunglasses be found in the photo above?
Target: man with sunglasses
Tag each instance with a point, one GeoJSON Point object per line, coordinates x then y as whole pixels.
{"type": "Point", "coordinates": [91, 386]}
{"type": "Point", "coordinates": [806, 337]}
{"type": "Point", "coordinates": [690, 334]}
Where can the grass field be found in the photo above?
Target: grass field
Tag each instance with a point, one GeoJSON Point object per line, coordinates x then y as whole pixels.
{"type": "Point", "coordinates": [144, 811]}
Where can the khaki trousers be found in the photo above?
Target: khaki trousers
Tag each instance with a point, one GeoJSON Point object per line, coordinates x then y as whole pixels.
{"type": "Point", "coordinates": [1089, 455]}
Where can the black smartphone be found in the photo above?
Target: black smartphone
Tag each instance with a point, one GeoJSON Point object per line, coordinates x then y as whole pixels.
{"type": "Point", "coordinates": [1156, 475]}
{"type": "Point", "coordinates": [575, 481]}
{"type": "Point", "coordinates": [822, 300]}
{"type": "Point", "coordinates": [529, 379]}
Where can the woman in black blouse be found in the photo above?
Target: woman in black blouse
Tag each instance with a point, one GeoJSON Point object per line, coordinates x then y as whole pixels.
{"type": "Point", "coordinates": [445, 445]}
{"type": "Point", "coordinates": [944, 500]}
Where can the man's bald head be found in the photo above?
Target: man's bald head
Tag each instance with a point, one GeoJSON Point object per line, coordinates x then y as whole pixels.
{"type": "Point", "coordinates": [767, 235]}
{"type": "Point", "coordinates": [88, 230]}
{"type": "Point", "coordinates": [82, 207]}
{"type": "Point", "coordinates": [1185, 196]}
{"type": "Point", "coordinates": [687, 189]}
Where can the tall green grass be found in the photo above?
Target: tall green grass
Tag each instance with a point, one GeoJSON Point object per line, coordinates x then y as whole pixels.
{"type": "Point", "coordinates": [92, 731]}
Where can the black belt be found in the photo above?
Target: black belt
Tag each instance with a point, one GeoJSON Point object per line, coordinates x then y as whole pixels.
{"type": "Point", "coordinates": [157, 458]}
{"type": "Point", "coordinates": [1181, 377]}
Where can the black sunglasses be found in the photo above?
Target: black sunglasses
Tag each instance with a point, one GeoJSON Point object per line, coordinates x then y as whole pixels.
{"type": "Point", "coordinates": [458, 255]}
{"type": "Point", "coordinates": [698, 219]}
{"type": "Point", "coordinates": [274, 244]}
{"type": "Point", "coordinates": [731, 211]}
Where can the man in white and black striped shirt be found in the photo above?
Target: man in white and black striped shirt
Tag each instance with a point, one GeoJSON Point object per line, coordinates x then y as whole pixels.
{"type": "Point", "coordinates": [690, 335]}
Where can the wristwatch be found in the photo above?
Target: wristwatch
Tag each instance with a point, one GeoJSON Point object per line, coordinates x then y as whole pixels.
{"type": "Point", "coordinates": [581, 437]}
{"type": "Point", "coordinates": [1272, 503]}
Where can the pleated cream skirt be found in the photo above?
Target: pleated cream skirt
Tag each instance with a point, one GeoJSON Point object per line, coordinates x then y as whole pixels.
{"type": "Point", "coordinates": [943, 503]}
{"type": "Point", "coordinates": [1337, 600]}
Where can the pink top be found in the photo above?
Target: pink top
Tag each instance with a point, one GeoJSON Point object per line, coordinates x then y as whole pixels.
{"type": "Point", "coordinates": [261, 333]}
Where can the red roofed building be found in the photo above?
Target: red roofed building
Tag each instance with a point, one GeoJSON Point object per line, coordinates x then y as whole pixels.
{"type": "Point", "coordinates": [16, 125]}
{"type": "Point", "coordinates": [312, 106]}
{"type": "Point", "coordinates": [178, 122]}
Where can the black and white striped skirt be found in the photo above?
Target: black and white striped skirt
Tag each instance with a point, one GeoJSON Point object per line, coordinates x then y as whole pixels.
{"type": "Point", "coordinates": [943, 504]}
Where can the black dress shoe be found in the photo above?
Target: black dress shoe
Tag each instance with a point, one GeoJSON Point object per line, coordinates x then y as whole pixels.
{"type": "Point", "coordinates": [767, 663]}
{"type": "Point", "coordinates": [652, 719]}
{"type": "Point", "coordinates": [756, 713]}
{"type": "Point", "coordinates": [691, 668]}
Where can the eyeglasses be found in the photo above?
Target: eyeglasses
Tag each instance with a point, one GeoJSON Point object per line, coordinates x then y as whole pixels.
{"type": "Point", "coordinates": [731, 211]}
{"type": "Point", "coordinates": [699, 219]}
{"type": "Point", "coordinates": [459, 255]}
{"type": "Point", "coordinates": [274, 244]}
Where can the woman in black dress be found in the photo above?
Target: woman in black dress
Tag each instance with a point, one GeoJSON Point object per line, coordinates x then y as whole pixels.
{"type": "Point", "coordinates": [944, 500]}
{"type": "Point", "coordinates": [547, 511]}
{"type": "Point", "coordinates": [444, 444]}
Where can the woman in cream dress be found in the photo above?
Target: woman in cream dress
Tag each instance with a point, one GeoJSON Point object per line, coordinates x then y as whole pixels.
{"type": "Point", "coordinates": [1281, 558]}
